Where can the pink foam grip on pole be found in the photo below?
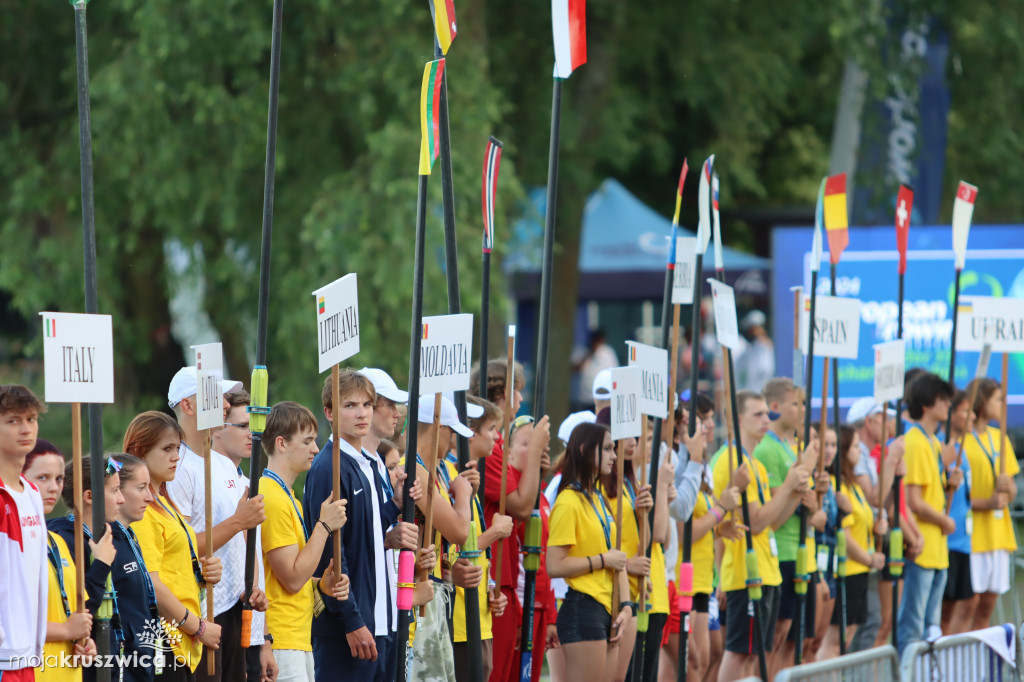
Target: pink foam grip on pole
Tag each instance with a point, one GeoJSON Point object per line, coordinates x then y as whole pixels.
{"type": "Point", "coordinates": [406, 579]}
{"type": "Point", "coordinates": [685, 587]}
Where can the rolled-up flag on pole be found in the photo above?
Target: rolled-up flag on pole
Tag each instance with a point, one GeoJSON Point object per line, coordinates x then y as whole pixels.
{"type": "Point", "coordinates": [569, 24]}
{"type": "Point", "coordinates": [904, 209]}
{"type": "Point", "coordinates": [443, 14]}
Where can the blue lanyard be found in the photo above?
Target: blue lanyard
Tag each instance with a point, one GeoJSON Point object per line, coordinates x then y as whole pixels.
{"type": "Point", "coordinates": [990, 454]}
{"type": "Point", "coordinates": [753, 471]}
{"type": "Point", "coordinates": [287, 491]}
{"type": "Point", "coordinates": [628, 487]}
{"type": "Point", "coordinates": [385, 480]}
{"type": "Point", "coordinates": [148, 581]}
{"type": "Point", "coordinates": [196, 570]}
{"type": "Point", "coordinates": [605, 520]}
{"type": "Point", "coordinates": [784, 444]}
{"type": "Point", "coordinates": [117, 630]}
{"type": "Point", "coordinates": [58, 568]}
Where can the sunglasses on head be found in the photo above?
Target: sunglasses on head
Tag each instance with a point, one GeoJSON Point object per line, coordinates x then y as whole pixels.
{"type": "Point", "coordinates": [113, 467]}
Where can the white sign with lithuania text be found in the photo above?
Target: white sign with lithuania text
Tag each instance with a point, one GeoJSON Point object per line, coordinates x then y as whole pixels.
{"type": "Point", "coordinates": [337, 321]}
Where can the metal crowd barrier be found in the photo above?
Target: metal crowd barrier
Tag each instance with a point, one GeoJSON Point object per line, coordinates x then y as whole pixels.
{"type": "Point", "coordinates": [880, 664]}
{"type": "Point", "coordinates": [962, 658]}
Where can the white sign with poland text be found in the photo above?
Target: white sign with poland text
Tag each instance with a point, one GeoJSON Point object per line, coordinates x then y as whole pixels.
{"type": "Point", "coordinates": [625, 407]}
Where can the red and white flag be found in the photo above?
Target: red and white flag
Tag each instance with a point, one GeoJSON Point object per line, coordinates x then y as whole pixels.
{"type": "Point", "coordinates": [569, 24]}
{"type": "Point", "coordinates": [492, 159]}
{"type": "Point", "coordinates": [904, 209]}
{"type": "Point", "coordinates": [963, 211]}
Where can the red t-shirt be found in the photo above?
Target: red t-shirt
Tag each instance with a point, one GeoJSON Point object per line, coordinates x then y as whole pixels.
{"type": "Point", "coordinates": [545, 596]}
{"type": "Point", "coordinates": [876, 457]}
{"type": "Point", "coordinates": [492, 494]}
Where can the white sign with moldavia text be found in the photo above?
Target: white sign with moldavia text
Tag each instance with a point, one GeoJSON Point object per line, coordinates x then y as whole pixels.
{"type": "Point", "coordinates": [684, 270]}
{"type": "Point", "coordinates": [726, 329]}
{"type": "Point", "coordinates": [836, 326]}
{"type": "Point", "coordinates": [446, 350]}
{"type": "Point", "coordinates": [890, 362]}
{"type": "Point", "coordinates": [998, 322]}
{"type": "Point", "coordinates": [337, 321]}
{"type": "Point", "coordinates": [653, 364]}
{"type": "Point", "coordinates": [78, 358]}
{"type": "Point", "coordinates": [625, 406]}
{"type": "Point", "coordinates": [209, 373]}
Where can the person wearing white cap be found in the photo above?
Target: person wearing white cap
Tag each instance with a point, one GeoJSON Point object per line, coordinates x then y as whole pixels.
{"type": "Point", "coordinates": [233, 514]}
{"type": "Point", "coordinates": [601, 391]}
{"type": "Point", "coordinates": [385, 408]}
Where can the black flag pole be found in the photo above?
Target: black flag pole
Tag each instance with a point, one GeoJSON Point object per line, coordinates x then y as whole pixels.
{"type": "Point", "coordinates": [101, 627]}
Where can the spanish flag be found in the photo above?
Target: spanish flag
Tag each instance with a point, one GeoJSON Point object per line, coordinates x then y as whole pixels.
{"type": "Point", "coordinates": [430, 108]}
{"type": "Point", "coordinates": [443, 14]}
{"type": "Point", "coordinates": [836, 220]}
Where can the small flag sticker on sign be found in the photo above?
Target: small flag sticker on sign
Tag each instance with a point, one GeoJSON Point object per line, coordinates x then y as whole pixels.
{"type": "Point", "coordinates": [425, 327]}
{"type": "Point", "coordinates": [632, 353]}
{"type": "Point", "coordinates": [321, 305]}
{"type": "Point", "coordinates": [51, 328]}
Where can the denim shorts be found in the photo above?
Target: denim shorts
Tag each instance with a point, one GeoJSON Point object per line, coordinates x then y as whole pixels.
{"type": "Point", "coordinates": [582, 619]}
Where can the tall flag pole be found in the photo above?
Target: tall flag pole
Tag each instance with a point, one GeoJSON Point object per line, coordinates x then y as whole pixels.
{"type": "Point", "coordinates": [569, 31]}
{"type": "Point", "coordinates": [101, 627]}
{"type": "Point", "coordinates": [430, 93]}
{"type": "Point", "coordinates": [904, 211]}
{"type": "Point", "coordinates": [259, 382]}
{"type": "Point", "coordinates": [816, 256]}
{"type": "Point", "coordinates": [963, 211]}
{"type": "Point", "coordinates": [492, 161]}
{"type": "Point", "coordinates": [837, 232]}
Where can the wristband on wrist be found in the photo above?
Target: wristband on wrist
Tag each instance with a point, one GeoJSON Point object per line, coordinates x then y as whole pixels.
{"type": "Point", "coordinates": [184, 618]}
{"type": "Point", "coordinates": [591, 564]}
{"type": "Point", "coordinates": [714, 511]}
{"type": "Point", "coordinates": [201, 630]}
{"type": "Point", "coordinates": [602, 561]}
{"type": "Point", "coordinates": [326, 527]}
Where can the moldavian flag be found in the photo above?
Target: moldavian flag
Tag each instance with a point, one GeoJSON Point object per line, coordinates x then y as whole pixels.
{"type": "Point", "coordinates": [904, 208]}
{"type": "Point", "coordinates": [443, 14]}
{"type": "Point", "coordinates": [836, 216]}
{"type": "Point", "coordinates": [492, 159]}
{"type": "Point", "coordinates": [569, 24]}
{"type": "Point", "coordinates": [430, 107]}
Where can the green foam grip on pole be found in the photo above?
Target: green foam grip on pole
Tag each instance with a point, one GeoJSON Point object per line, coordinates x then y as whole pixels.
{"type": "Point", "coordinates": [801, 577]}
{"type": "Point", "coordinates": [470, 548]}
{"type": "Point", "coordinates": [106, 609]}
{"type": "Point", "coordinates": [753, 577]}
{"type": "Point", "coordinates": [841, 552]}
{"type": "Point", "coordinates": [258, 409]}
{"type": "Point", "coordinates": [896, 551]}
{"type": "Point", "coordinates": [642, 621]}
{"type": "Point", "coordinates": [531, 548]}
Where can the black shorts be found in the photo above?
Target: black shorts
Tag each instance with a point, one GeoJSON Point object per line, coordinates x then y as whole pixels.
{"type": "Point", "coordinates": [582, 619]}
{"type": "Point", "coordinates": [789, 601]}
{"type": "Point", "coordinates": [856, 601]}
{"type": "Point", "coordinates": [739, 637]}
{"type": "Point", "coordinates": [700, 602]}
{"type": "Point", "coordinates": [958, 577]}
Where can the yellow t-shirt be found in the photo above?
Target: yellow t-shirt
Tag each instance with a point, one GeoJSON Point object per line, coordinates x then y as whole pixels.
{"type": "Point", "coordinates": [658, 595]}
{"type": "Point", "coordinates": [630, 532]}
{"type": "Point", "coordinates": [52, 651]}
{"type": "Point", "coordinates": [734, 562]}
{"type": "Point", "coordinates": [164, 540]}
{"type": "Point", "coordinates": [290, 616]}
{"type": "Point", "coordinates": [459, 614]}
{"type": "Point", "coordinates": [861, 523]}
{"type": "Point", "coordinates": [702, 552]}
{"type": "Point", "coordinates": [922, 455]}
{"type": "Point", "coordinates": [993, 529]}
{"type": "Point", "coordinates": [587, 528]}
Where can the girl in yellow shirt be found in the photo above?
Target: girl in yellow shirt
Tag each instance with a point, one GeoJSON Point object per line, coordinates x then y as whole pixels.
{"type": "Point", "coordinates": [580, 549]}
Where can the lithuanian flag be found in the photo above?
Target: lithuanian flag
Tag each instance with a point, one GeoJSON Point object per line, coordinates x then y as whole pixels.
{"type": "Point", "coordinates": [430, 108]}
{"type": "Point", "coordinates": [443, 14]}
{"type": "Point", "coordinates": [836, 220]}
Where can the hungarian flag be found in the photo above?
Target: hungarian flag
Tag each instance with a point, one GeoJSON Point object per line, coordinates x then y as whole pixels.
{"type": "Point", "coordinates": [430, 107]}
{"type": "Point", "coordinates": [492, 159]}
{"type": "Point", "coordinates": [836, 220]}
{"type": "Point", "coordinates": [963, 212]}
{"type": "Point", "coordinates": [904, 208]}
{"type": "Point", "coordinates": [569, 23]}
{"type": "Point", "coordinates": [443, 14]}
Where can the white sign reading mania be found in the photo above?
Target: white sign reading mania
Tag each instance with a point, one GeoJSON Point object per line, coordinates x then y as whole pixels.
{"type": "Point", "coordinates": [726, 328]}
{"type": "Point", "coordinates": [446, 350]}
{"type": "Point", "coordinates": [337, 321]}
{"type": "Point", "coordinates": [78, 358]}
{"type": "Point", "coordinates": [836, 326]}
{"type": "Point", "coordinates": [625, 406]}
{"type": "Point", "coordinates": [890, 362]}
{"type": "Point", "coordinates": [684, 270]}
{"type": "Point", "coordinates": [209, 373]}
{"type": "Point", "coordinates": [998, 322]}
{"type": "Point", "coordinates": [653, 364]}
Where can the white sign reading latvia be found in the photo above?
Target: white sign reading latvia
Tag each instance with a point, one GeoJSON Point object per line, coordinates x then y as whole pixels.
{"type": "Point", "coordinates": [209, 373]}
{"type": "Point", "coordinates": [998, 322]}
{"type": "Point", "coordinates": [653, 364]}
{"type": "Point", "coordinates": [625, 407]}
{"type": "Point", "coordinates": [726, 328]}
{"type": "Point", "coordinates": [446, 352]}
{"type": "Point", "coordinates": [890, 362]}
{"type": "Point", "coordinates": [78, 358]}
{"type": "Point", "coordinates": [337, 321]}
{"type": "Point", "coordinates": [684, 270]}
{"type": "Point", "coordinates": [836, 326]}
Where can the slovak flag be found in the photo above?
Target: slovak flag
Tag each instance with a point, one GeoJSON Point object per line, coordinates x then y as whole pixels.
{"type": "Point", "coordinates": [569, 24]}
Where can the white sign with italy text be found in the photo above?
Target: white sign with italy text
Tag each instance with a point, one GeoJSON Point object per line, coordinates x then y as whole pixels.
{"type": "Point", "coordinates": [890, 362]}
{"type": "Point", "coordinates": [653, 364]}
{"type": "Point", "coordinates": [78, 358]}
{"type": "Point", "coordinates": [684, 270]}
{"type": "Point", "coordinates": [836, 326]}
{"type": "Point", "coordinates": [446, 350]}
{"type": "Point", "coordinates": [209, 374]}
{"type": "Point", "coordinates": [337, 321]}
{"type": "Point", "coordinates": [998, 322]}
{"type": "Point", "coordinates": [726, 329]}
{"type": "Point", "coordinates": [625, 406]}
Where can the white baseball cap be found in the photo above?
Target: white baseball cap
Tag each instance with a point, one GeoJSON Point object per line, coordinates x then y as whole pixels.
{"type": "Point", "coordinates": [572, 421]}
{"type": "Point", "coordinates": [472, 411]}
{"type": "Point", "coordinates": [862, 408]}
{"type": "Point", "coordinates": [384, 385]}
{"type": "Point", "coordinates": [184, 385]}
{"type": "Point", "coordinates": [449, 416]}
{"type": "Point", "coordinates": [602, 389]}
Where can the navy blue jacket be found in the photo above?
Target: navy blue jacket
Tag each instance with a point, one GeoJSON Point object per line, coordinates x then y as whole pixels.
{"type": "Point", "coordinates": [96, 574]}
{"type": "Point", "coordinates": [132, 601]}
{"type": "Point", "coordinates": [359, 555]}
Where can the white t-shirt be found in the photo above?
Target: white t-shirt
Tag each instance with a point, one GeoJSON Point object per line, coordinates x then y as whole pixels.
{"type": "Point", "coordinates": [188, 492]}
{"type": "Point", "coordinates": [33, 537]}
